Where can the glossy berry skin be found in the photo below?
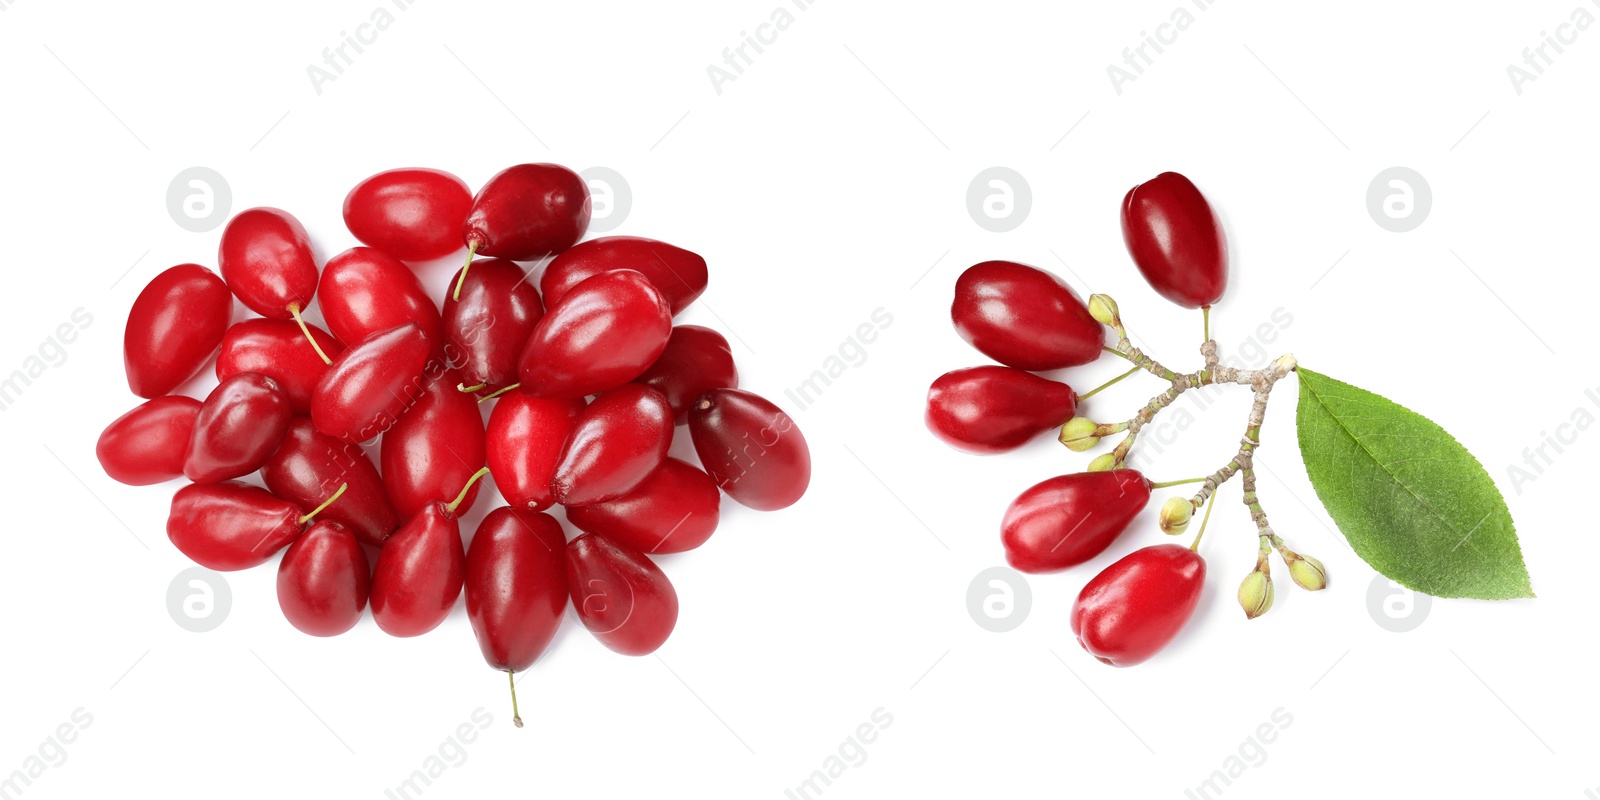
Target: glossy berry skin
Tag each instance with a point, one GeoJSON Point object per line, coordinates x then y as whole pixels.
{"type": "Point", "coordinates": [1024, 317]}
{"type": "Point", "coordinates": [277, 349]}
{"type": "Point", "coordinates": [751, 448]}
{"type": "Point", "coordinates": [516, 582]}
{"type": "Point", "coordinates": [239, 425]}
{"type": "Point", "coordinates": [605, 332]}
{"type": "Point", "coordinates": [148, 444]}
{"type": "Point", "coordinates": [419, 573]}
{"type": "Point", "coordinates": [525, 438]}
{"type": "Point", "coordinates": [310, 466]}
{"type": "Point", "coordinates": [696, 360]}
{"type": "Point", "coordinates": [434, 449]}
{"type": "Point", "coordinates": [364, 291]}
{"type": "Point", "coordinates": [673, 510]}
{"type": "Point", "coordinates": [620, 596]}
{"type": "Point", "coordinates": [323, 580]}
{"type": "Point", "coordinates": [995, 409]}
{"type": "Point", "coordinates": [528, 212]}
{"type": "Point", "coordinates": [174, 327]}
{"type": "Point", "coordinates": [679, 274]}
{"type": "Point", "coordinates": [486, 328]}
{"type": "Point", "coordinates": [413, 214]}
{"type": "Point", "coordinates": [1136, 606]}
{"type": "Point", "coordinates": [1176, 240]}
{"type": "Point", "coordinates": [1069, 519]}
{"type": "Point", "coordinates": [616, 442]}
{"type": "Point", "coordinates": [230, 525]}
{"type": "Point", "coordinates": [266, 259]}
{"type": "Point", "coordinates": [369, 386]}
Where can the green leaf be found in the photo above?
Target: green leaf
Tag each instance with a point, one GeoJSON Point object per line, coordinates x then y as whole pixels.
{"type": "Point", "coordinates": [1410, 499]}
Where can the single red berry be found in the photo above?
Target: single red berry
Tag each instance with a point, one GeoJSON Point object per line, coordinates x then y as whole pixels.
{"type": "Point", "coordinates": [1069, 519]}
{"type": "Point", "coordinates": [174, 327]}
{"type": "Point", "coordinates": [413, 214]}
{"type": "Point", "coordinates": [265, 257]}
{"type": "Point", "coordinates": [364, 290]}
{"type": "Point", "coordinates": [1136, 606]}
{"type": "Point", "coordinates": [419, 573]}
{"type": "Point", "coordinates": [673, 510]}
{"type": "Point", "coordinates": [623, 598]}
{"type": "Point", "coordinates": [434, 449]}
{"type": "Point", "coordinates": [230, 525]}
{"type": "Point", "coordinates": [516, 582]}
{"type": "Point", "coordinates": [1176, 240]}
{"type": "Point", "coordinates": [1024, 317]}
{"type": "Point", "coordinates": [277, 349]}
{"type": "Point", "coordinates": [487, 326]}
{"type": "Point", "coordinates": [323, 580]}
{"type": "Point", "coordinates": [616, 442]}
{"type": "Point", "coordinates": [148, 444]}
{"type": "Point", "coordinates": [994, 409]}
{"type": "Point", "coordinates": [369, 386]}
{"type": "Point", "coordinates": [751, 448]}
{"type": "Point", "coordinates": [679, 274]}
{"type": "Point", "coordinates": [605, 332]}
{"type": "Point", "coordinates": [525, 438]}
{"type": "Point", "coordinates": [527, 212]}
{"type": "Point", "coordinates": [239, 426]}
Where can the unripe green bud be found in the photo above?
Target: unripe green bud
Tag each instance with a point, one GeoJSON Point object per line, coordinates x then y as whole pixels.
{"type": "Point", "coordinates": [1102, 463]}
{"type": "Point", "coordinates": [1078, 434]}
{"type": "Point", "coordinates": [1175, 514]}
{"type": "Point", "coordinates": [1255, 594]}
{"type": "Point", "coordinates": [1104, 309]}
{"type": "Point", "coordinates": [1308, 573]}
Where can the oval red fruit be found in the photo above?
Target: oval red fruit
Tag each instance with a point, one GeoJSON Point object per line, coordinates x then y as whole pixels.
{"type": "Point", "coordinates": [266, 259]}
{"type": "Point", "coordinates": [616, 442]}
{"type": "Point", "coordinates": [678, 273]}
{"type": "Point", "coordinates": [1176, 240]}
{"type": "Point", "coordinates": [673, 510]}
{"type": "Point", "coordinates": [1024, 317]}
{"type": "Point", "coordinates": [486, 328]}
{"type": "Point", "coordinates": [413, 214]}
{"type": "Point", "coordinates": [1069, 519]}
{"type": "Point", "coordinates": [528, 212]}
{"type": "Point", "coordinates": [994, 409]}
{"type": "Point", "coordinates": [695, 361]}
{"type": "Point", "coordinates": [524, 439]}
{"type": "Point", "coordinates": [620, 596]}
{"type": "Point", "coordinates": [230, 525]}
{"type": "Point", "coordinates": [148, 444]}
{"type": "Point", "coordinates": [1136, 606]}
{"type": "Point", "coordinates": [419, 573]}
{"type": "Point", "coordinates": [369, 386]}
{"type": "Point", "coordinates": [240, 424]}
{"type": "Point", "coordinates": [516, 582]}
{"type": "Point", "coordinates": [277, 349]}
{"type": "Point", "coordinates": [434, 449]}
{"type": "Point", "coordinates": [605, 332]}
{"type": "Point", "coordinates": [174, 327]}
{"type": "Point", "coordinates": [751, 448]}
{"type": "Point", "coordinates": [364, 291]}
{"type": "Point", "coordinates": [323, 580]}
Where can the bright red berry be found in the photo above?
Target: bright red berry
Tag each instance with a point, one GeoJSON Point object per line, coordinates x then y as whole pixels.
{"type": "Point", "coordinates": [1176, 240]}
{"type": "Point", "coordinates": [994, 409]}
{"type": "Point", "coordinates": [1069, 519]}
{"type": "Point", "coordinates": [1136, 606]}
{"type": "Point", "coordinates": [1024, 317]}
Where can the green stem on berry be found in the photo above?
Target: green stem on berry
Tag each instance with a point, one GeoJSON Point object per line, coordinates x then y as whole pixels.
{"type": "Point", "coordinates": [1195, 547]}
{"type": "Point", "coordinates": [1117, 353]}
{"type": "Point", "coordinates": [1096, 390]}
{"type": "Point", "coordinates": [498, 392]}
{"type": "Point", "coordinates": [325, 504]}
{"type": "Point", "coordinates": [294, 311]}
{"type": "Point", "coordinates": [1205, 315]}
{"type": "Point", "coordinates": [1165, 484]}
{"type": "Point", "coordinates": [472, 250]}
{"type": "Point", "coordinates": [516, 716]}
{"type": "Point", "coordinates": [477, 387]}
{"type": "Point", "coordinates": [456, 503]}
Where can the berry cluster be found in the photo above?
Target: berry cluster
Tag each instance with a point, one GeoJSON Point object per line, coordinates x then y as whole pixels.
{"type": "Point", "coordinates": [1031, 321]}
{"type": "Point", "coordinates": [296, 403]}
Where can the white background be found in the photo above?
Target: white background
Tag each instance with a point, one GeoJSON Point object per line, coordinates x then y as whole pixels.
{"type": "Point", "coordinates": [827, 181]}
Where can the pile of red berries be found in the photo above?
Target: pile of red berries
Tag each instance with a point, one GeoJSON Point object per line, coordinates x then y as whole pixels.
{"type": "Point", "coordinates": [1031, 321]}
{"type": "Point", "coordinates": [296, 403]}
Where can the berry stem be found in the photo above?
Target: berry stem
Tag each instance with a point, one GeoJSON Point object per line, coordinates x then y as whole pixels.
{"type": "Point", "coordinates": [294, 311]}
{"type": "Point", "coordinates": [1096, 390]}
{"type": "Point", "coordinates": [325, 504]}
{"type": "Point", "coordinates": [516, 716]}
{"type": "Point", "coordinates": [453, 504]}
{"type": "Point", "coordinates": [1205, 316]}
{"type": "Point", "coordinates": [477, 387]}
{"type": "Point", "coordinates": [1195, 547]}
{"type": "Point", "coordinates": [472, 250]}
{"type": "Point", "coordinates": [1165, 484]}
{"type": "Point", "coordinates": [502, 390]}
